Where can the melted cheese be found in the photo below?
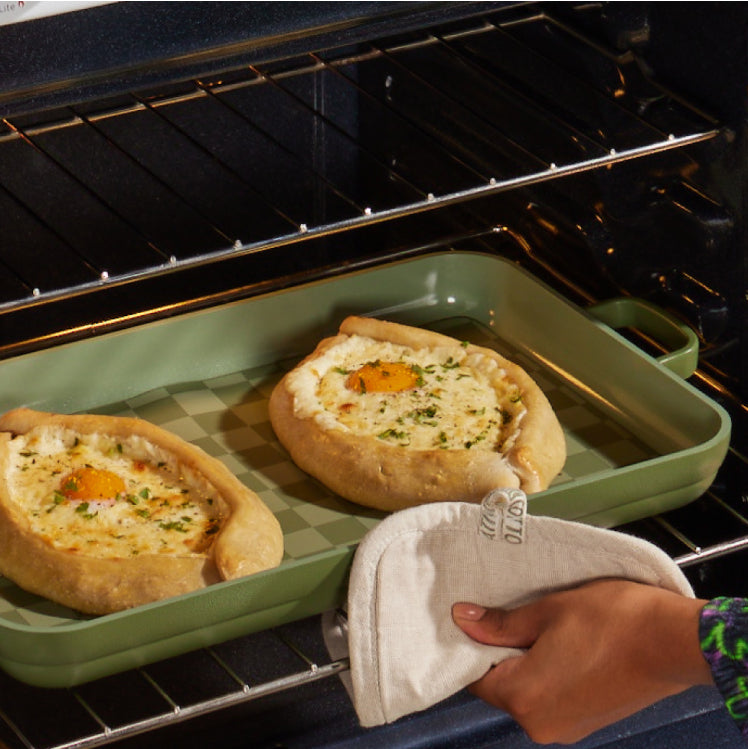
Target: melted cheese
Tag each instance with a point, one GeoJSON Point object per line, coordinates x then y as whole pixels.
{"type": "Point", "coordinates": [460, 400]}
{"type": "Point", "coordinates": [162, 509]}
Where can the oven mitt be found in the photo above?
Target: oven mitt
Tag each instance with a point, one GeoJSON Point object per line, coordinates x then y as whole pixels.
{"type": "Point", "coordinates": [406, 653]}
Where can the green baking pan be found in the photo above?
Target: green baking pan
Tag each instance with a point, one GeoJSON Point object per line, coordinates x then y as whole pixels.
{"type": "Point", "coordinates": [640, 439]}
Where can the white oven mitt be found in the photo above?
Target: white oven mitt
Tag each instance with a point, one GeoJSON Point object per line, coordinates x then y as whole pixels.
{"type": "Point", "coordinates": [406, 653]}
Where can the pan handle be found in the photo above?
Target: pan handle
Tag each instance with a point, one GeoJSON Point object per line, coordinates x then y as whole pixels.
{"type": "Point", "coordinates": [655, 323]}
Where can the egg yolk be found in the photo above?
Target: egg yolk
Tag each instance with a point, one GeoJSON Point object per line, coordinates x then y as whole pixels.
{"type": "Point", "coordinates": [382, 377]}
{"type": "Point", "coordinates": [90, 483]}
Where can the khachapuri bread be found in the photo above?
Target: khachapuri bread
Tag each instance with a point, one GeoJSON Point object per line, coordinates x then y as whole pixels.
{"type": "Point", "coordinates": [103, 513]}
{"type": "Point", "coordinates": [390, 416]}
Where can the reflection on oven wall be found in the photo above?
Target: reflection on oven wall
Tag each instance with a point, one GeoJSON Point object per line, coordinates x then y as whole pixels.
{"type": "Point", "coordinates": [677, 223]}
{"type": "Point", "coordinates": [657, 238]}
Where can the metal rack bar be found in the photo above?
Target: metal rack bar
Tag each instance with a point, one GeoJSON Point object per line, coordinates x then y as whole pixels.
{"type": "Point", "coordinates": [699, 555]}
{"type": "Point", "coordinates": [431, 202]}
{"type": "Point", "coordinates": [179, 714]}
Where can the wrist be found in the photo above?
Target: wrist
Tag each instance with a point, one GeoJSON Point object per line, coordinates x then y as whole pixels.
{"type": "Point", "coordinates": [675, 640]}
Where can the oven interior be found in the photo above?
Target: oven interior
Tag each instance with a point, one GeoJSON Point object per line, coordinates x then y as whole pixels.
{"type": "Point", "coordinates": [559, 137]}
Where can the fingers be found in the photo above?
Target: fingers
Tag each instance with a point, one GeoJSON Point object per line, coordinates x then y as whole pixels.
{"type": "Point", "coordinates": [516, 629]}
{"type": "Point", "coordinates": [491, 687]}
{"type": "Point", "coordinates": [517, 687]}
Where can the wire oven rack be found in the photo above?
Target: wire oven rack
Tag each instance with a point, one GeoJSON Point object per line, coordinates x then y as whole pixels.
{"type": "Point", "coordinates": [261, 157]}
{"type": "Point", "coordinates": [448, 98]}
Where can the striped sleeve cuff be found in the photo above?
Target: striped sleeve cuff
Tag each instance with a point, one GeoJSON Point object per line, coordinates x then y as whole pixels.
{"type": "Point", "coordinates": [723, 633]}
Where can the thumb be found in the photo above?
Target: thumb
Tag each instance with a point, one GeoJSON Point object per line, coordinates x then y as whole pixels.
{"type": "Point", "coordinates": [517, 628]}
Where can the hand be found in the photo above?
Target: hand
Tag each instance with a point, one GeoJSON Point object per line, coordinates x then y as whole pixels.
{"type": "Point", "coordinates": [595, 654]}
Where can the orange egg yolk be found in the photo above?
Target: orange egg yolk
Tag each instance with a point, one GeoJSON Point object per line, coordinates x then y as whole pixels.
{"type": "Point", "coordinates": [382, 377]}
{"type": "Point", "coordinates": [90, 483]}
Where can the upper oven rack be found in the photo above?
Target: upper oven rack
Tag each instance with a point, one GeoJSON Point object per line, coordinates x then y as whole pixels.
{"type": "Point", "coordinates": [107, 193]}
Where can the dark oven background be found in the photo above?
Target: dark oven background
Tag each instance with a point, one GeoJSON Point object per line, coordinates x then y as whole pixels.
{"type": "Point", "coordinates": [162, 157]}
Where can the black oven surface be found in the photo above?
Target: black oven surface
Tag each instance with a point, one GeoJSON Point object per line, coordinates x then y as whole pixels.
{"type": "Point", "coordinates": [171, 157]}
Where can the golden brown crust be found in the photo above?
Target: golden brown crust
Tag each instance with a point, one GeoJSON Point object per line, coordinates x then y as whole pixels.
{"type": "Point", "coordinates": [249, 541]}
{"type": "Point", "coordinates": [370, 472]}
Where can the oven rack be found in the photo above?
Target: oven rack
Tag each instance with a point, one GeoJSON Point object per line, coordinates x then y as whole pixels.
{"type": "Point", "coordinates": [156, 695]}
{"type": "Point", "coordinates": [279, 153]}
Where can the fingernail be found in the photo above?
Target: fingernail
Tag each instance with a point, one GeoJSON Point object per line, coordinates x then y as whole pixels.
{"type": "Point", "coordinates": [470, 611]}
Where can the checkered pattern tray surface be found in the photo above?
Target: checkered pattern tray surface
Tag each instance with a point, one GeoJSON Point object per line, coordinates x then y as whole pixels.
{"type": "Point", "coordinates": [227, 417]}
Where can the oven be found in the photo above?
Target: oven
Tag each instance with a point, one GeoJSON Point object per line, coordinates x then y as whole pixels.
{"type": "Point", "coordinates": [166, 163]}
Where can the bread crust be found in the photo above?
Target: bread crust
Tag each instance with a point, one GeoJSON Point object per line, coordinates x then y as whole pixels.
{"type": "Point", "coordinates": [370, 472]}
{"type": "Point", "coordinates": [249, 540]}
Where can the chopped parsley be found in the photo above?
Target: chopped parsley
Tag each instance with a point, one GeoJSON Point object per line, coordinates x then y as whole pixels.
{"type": "Point", "coordinates": [394, 434]}
{"type": "Point", "coordinates": [82, 509]}
{"type": "Point", "coordinates": [71, 485]}
{"type": "Point", "coordinates": [174, 525]}
{"type": "Point", "coordinates": [478, 438]}
{"type": "Point", "coordinates": [424, 416]}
